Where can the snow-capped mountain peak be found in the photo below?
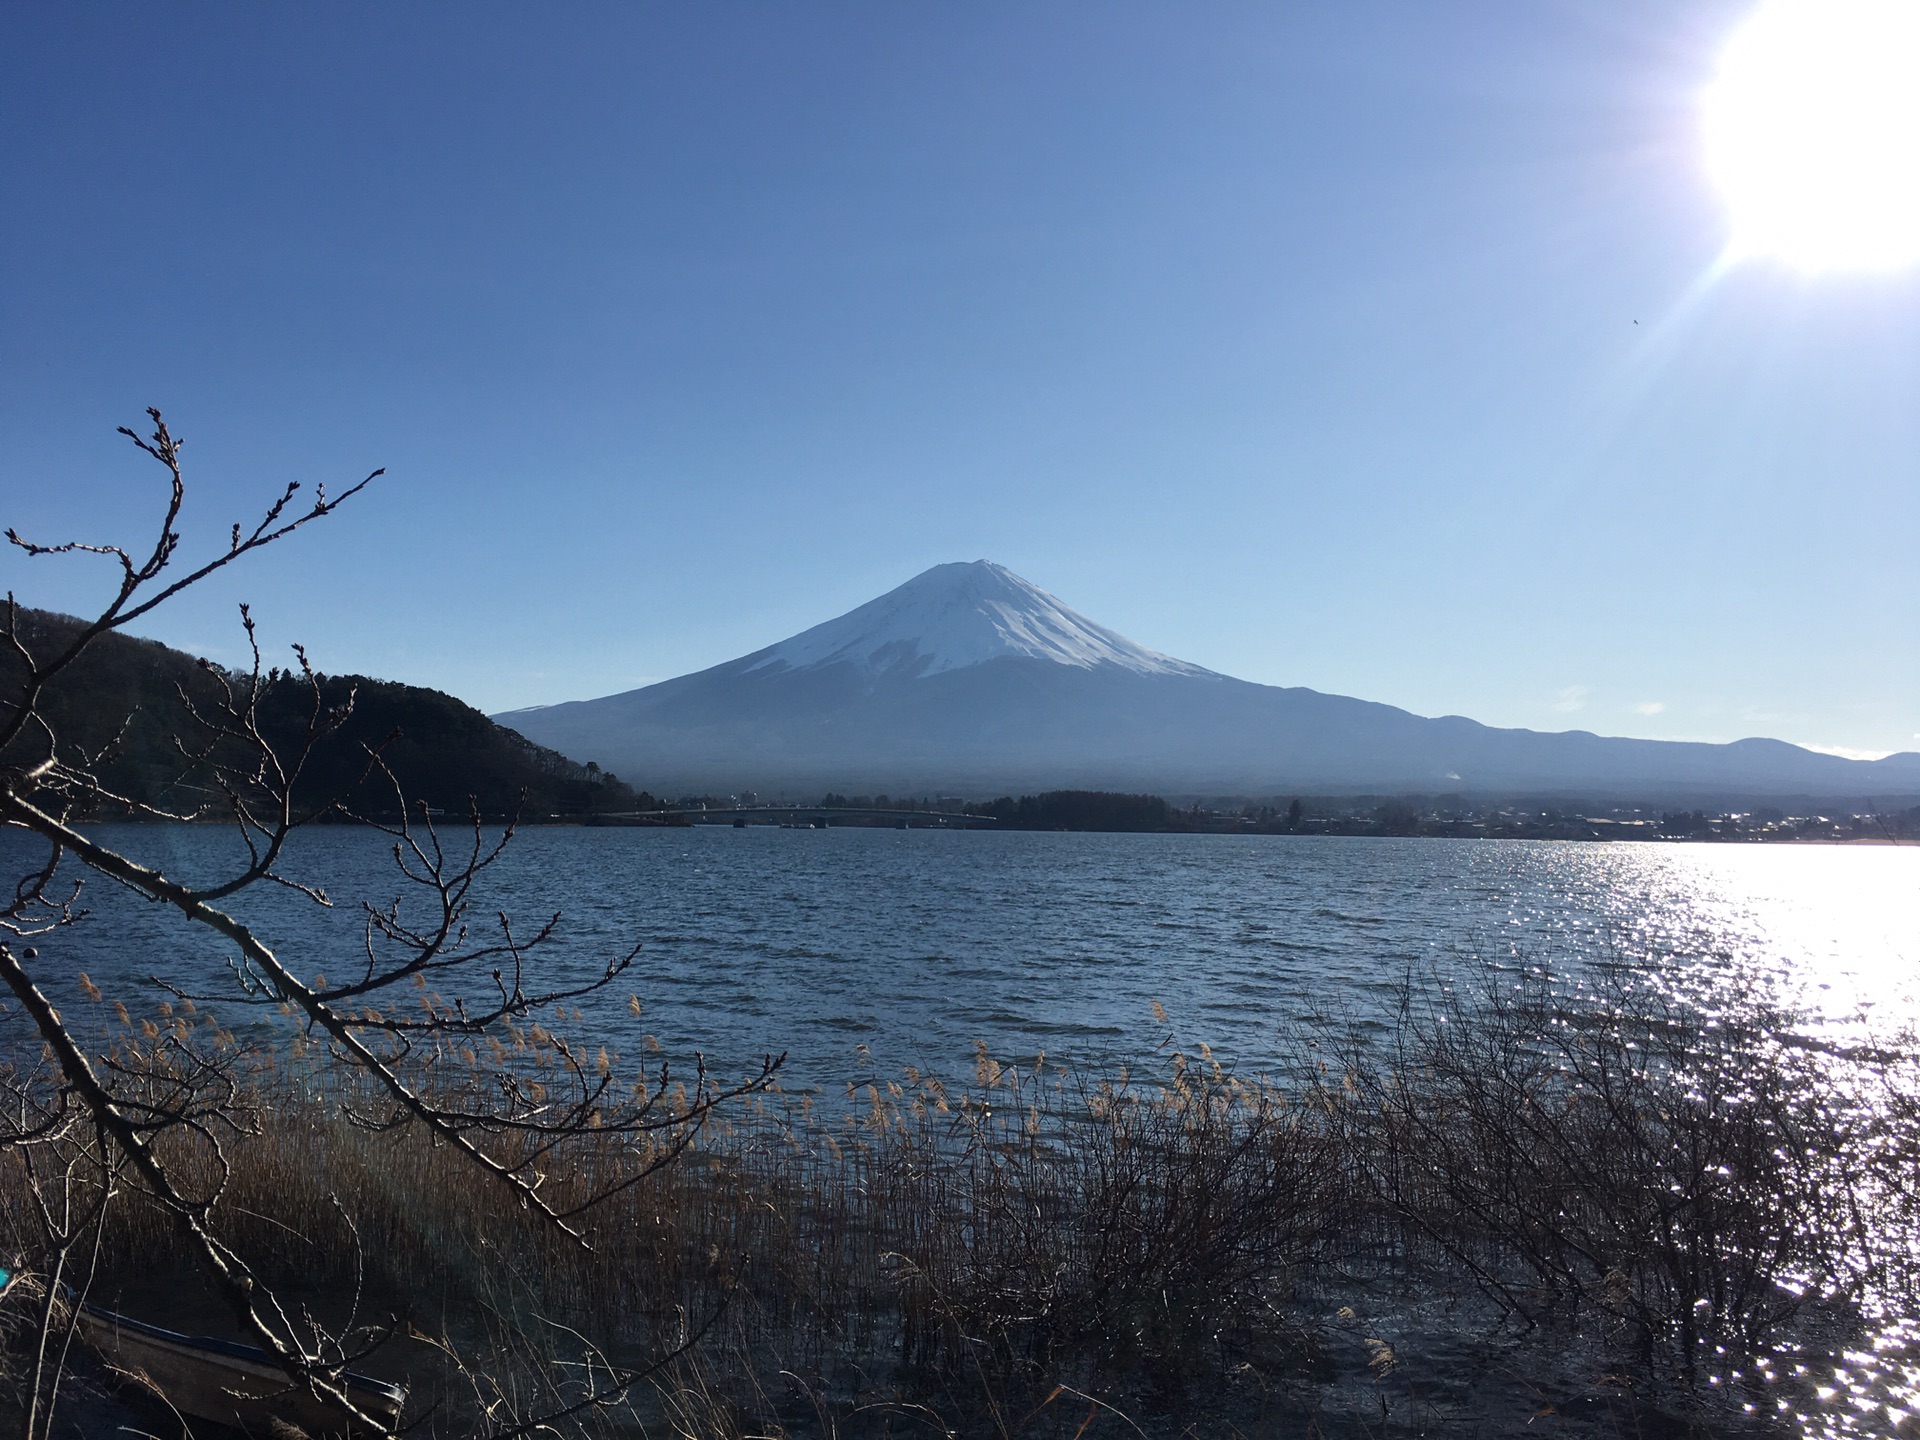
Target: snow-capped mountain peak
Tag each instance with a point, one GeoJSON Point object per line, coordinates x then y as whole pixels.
{"type": "Point", "coordinates": [954, 616]}
{"type": "Point", "coordinates": [1070, 704]}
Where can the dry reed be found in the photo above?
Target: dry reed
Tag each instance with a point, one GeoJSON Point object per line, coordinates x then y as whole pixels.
{"type": "Point", "coordinates": [1030, 1252]}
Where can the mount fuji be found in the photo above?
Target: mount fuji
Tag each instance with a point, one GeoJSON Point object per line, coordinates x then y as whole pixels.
{"type": "Point", "coordinates": [970, 680]}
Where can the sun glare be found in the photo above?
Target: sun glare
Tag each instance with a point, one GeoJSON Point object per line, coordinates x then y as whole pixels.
{"type": "Point", "coordinates": [1812, 132]}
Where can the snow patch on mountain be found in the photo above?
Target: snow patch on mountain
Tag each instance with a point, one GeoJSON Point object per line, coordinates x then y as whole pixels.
{"type": "Point", "coordinates": [955, 616]}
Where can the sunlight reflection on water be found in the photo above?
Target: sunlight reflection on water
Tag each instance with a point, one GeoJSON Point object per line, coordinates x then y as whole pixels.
{"type": "Point", "coordinates": [917, 943]}
{"type": "Point", "coordinates": [862, 951]}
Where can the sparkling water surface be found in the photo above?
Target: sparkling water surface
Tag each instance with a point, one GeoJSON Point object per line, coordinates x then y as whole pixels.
{"type": "Point", "coordinates": [916, 944]}
{"type": "Point", "coordinates": [859, 952]}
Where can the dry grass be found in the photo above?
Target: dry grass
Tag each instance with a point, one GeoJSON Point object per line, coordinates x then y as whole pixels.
{"type": "Point", "coordinates": [1030, 1253]}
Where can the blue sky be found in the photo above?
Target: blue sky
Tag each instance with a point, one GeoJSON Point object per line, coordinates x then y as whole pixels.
{"type": "Point", "coordinates": [1298, 341]}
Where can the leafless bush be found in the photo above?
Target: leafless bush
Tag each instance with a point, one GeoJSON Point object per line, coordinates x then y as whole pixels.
{"type": "Point", "coordinates": [1009, 1255]}
{"type": "Point", "coordinates": [154, 1122]}
{"type": "Point", "coordinates": [1692, 1178]}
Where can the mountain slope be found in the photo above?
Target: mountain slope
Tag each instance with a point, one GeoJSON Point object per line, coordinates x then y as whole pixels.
{"type": "Point", "coordinates": [968, 679]}
{"type": "Point", "coordinates": [123, 700]}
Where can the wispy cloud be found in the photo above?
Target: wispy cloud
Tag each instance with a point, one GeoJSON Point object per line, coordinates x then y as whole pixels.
{"type": "Point", "coordinates": [1845, 752]}
{"type": "Point", "coordinates": [1651, 707]}
{"type": "Point", "coordinates": [1571, 698]}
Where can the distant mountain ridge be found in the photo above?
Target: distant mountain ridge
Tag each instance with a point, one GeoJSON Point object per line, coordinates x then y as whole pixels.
{"type": "Point", "coordinates": [968, 679]}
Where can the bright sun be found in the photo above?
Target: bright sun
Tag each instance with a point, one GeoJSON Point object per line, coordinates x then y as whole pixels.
{"type": "Point", "coordinates": [1813, 134]}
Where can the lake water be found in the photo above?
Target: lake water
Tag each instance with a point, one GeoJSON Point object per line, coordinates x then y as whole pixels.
{"type": "Point", "coordinates": [859, 952]}
{"type": "Point", "coordinates": [916, 944]}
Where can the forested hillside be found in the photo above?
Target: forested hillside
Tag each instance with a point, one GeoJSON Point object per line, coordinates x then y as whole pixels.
{"type": "Point", "coordinates": [125, 709]}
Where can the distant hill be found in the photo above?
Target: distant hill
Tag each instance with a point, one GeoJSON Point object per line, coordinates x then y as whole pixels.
{"type": "Point", "coordinates": [1081, 810]}
{"type": "Point", "coordinates": [969, 680]}
{"type": "Point", "coordinates": [122, 700]}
